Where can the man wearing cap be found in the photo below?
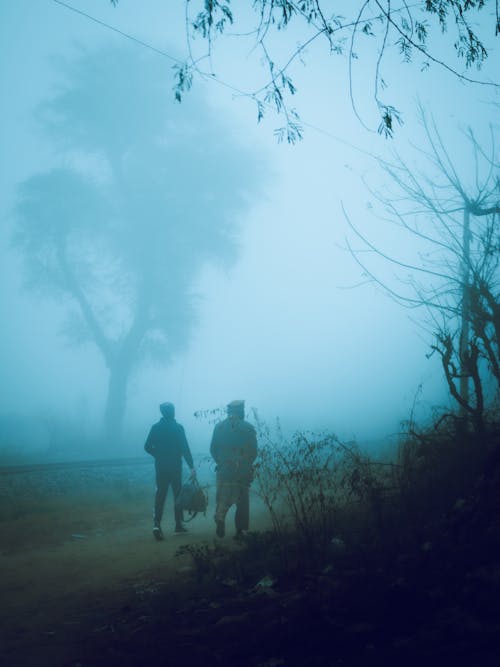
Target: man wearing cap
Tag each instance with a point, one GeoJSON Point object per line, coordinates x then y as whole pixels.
{"type": "Point", "coordinates": [167, 444]}
{"type": "Point", "coordinates": [234, 449]}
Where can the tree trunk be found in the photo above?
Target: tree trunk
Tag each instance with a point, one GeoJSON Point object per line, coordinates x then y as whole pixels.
{"type": "Point", "coordinates": [116, 403]}
{"type": "Point", "coordinates": [465, 316]}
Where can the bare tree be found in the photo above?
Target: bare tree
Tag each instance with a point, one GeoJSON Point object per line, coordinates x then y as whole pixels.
{"type": "Point", "coordinates": [455, 273]}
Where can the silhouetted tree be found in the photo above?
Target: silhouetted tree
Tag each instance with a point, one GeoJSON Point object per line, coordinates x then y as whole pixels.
{"type": "Point", "coordinates": [452, 223]}
{"type": "Point", "coordinates": [144, 195]}
{"type": "Point", "coordinates": [406, 27]}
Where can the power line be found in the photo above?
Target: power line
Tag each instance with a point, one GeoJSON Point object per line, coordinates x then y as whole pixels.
{"type": "Point", "coordinates": [119, 32]}
{"type": "Point", "coordinates": [204, 75]}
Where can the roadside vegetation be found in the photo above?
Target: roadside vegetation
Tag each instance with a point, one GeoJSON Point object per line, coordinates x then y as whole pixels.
{"type": "Point", "coordinates": [364, 560]}
{"type": "Point", "coordinates": [357, 560]}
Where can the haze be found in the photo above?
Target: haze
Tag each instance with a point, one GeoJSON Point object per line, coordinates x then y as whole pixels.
{"type": "Point", "coordinates": [235, 241]}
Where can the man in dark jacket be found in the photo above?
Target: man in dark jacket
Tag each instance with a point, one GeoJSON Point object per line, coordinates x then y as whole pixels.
{"type": "Point", "coordinates": [234, 449]}
{"type": "Point", "coordinates": [167, 444]}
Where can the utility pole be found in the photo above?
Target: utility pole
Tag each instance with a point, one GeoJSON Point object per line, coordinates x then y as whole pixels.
{"type": "Point", "coordinates": [465, 316]}
{"type": "Point", "coordinates": [474, 209]}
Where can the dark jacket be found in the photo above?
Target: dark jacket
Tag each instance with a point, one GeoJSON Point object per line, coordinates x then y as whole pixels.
{"type": "Point", "coordinates": [167, 443]}
{"type": "Point", "coordinates": [234, 449]}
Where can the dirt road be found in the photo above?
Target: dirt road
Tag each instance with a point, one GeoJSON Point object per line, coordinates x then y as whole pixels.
{"type": "Point", "coordinates": [69, 561]}
{"type": "Point", "coordinates": [53, 595]}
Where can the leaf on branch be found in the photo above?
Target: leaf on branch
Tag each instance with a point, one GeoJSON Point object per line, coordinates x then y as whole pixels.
{"type": "Point", "coordinates": [287, 11]}
{"type": "Point", "coordinates": [389, 115]}
{"type": "Point", "coordinates": [440, 8]}
{"type": "Point", "coordinates": [292, 132]}
{"type": "Point", "coordinates": [309, 10]}
{"type": "Point", "coordinates": [183, 80]}
{"type": "Point", "coordinates": [275, 97]}
{"type": "Point", "coordinates": [421, 31]}
{"type": "Point", "coordinates": [338, 21]}
{"type": "Point", "coordinates": [286, 82]}
{"type": "Point", "coordinates": [216, 14]}
{"type": "Point", "coordinates": [280, 134]}
{"type": "Point", "coordinates": [260, 110]}
{"type": "Point", "coordinates": [227, 13]}
{"type": "Point", "coordinates": [367, 29]}
{"type": "Point", "coordinates": [468, 46]}
{"type": "Point", "coordinates": [405, 48]}
{"type": "Point", "coordinates": [404, 24]}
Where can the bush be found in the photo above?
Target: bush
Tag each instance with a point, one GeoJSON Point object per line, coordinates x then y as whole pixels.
{"type": "Point", "coordinates": [311, 483]}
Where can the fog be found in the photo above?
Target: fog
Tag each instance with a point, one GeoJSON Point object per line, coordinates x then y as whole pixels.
{"type": "Point", "coordinates": [237, 243]}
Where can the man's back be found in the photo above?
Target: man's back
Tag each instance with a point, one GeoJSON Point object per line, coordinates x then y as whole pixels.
{"type": "Point", "coordinates": [234, 449]}
{"type": "Point", "coordinates": [234, 445]}
{"type": "Point", "coordinates": [167, 443]}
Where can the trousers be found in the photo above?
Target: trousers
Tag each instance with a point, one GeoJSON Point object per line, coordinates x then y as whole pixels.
{"type": "Point", "coordinates": [231, 492]}
{"type": "Point", "coordinates": [165, 478]}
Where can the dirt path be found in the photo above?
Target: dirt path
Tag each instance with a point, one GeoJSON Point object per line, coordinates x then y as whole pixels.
{"type": "Point", "coordinates": [48, 591]}
{"type": "Point", "coordinates": [94, 563]}
{"type": "Point", "coordinates": [54, 596]}
{"type": "Point", "coordinates": [76, 546]}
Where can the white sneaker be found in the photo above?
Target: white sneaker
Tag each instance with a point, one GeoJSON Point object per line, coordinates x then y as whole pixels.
{"type": "Point", "coordinates": [157, 533]}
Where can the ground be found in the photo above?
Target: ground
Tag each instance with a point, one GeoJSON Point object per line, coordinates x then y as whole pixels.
{"type": "Point", "coordinates": [77, 552]}
{"type": "Point", "coordinates": [53, 597]}
{"type": "Point", "coordinates": [84, 584]}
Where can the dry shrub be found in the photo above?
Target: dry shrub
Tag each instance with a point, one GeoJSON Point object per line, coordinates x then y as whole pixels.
{"type": "Point", "coordinates": [310, 484]}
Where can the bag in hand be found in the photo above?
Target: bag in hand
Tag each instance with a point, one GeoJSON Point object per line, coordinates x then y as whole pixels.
{"type": "Point", "coordinates": [192, 499]}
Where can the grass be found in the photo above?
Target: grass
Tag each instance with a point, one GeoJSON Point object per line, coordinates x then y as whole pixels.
{"type": "Point", "coordinates": [49, 519]}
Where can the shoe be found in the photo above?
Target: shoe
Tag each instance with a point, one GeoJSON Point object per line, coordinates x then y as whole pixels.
{"type": "Point", "coordinates": [157, 533]}
{"type": "Point", "coordinates": [181, 529]}
{"type": "Point", "coordinates": [220, 530]}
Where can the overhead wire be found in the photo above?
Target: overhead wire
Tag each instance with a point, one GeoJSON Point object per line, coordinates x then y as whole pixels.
{"type": "Point", "coordinates": [205, 75]}
{"type": "Point", "coordinates": [118, 31]}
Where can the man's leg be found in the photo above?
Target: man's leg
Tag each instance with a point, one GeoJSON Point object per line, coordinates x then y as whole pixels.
{"type": "Point", "coordinates": [176, 481]}
{"type": "Point", "coordinates": [242, 515]}
{"type": "Point", "coordinates": [225, 497]}
{"type": "Point", "coordinates": [161, 494]}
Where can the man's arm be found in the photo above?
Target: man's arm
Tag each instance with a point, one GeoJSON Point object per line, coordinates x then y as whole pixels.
{"type": "Point", "coordinates": [252, 444]}
{"type": "Point", "coordinates": [186, 452]}
{"type": "Point", "coordinates": [249, 448]}
{"type": "Point", "coordinates": [149, 445]}
{"type": "Point", "coordinates": [214, 446]}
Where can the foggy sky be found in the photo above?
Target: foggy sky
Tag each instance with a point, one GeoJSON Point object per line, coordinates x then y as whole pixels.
{"type": "Point", "coordinates": [283, 327]}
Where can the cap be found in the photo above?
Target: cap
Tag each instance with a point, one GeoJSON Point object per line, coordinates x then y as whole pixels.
{"type": "Point", "coordinates": [236, 407]}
